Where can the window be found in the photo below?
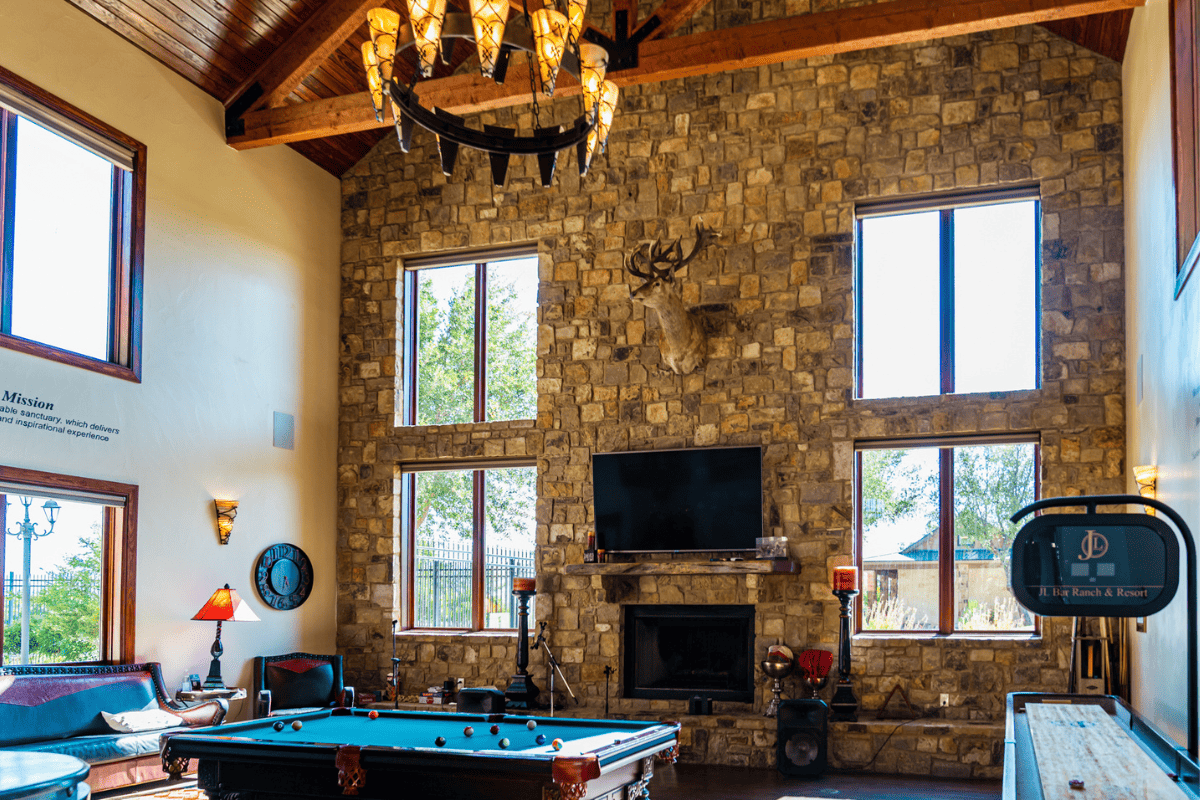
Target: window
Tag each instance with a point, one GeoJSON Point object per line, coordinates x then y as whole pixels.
{"type": "Point", "coordinates": [470, 345]}
{"type": "Point", "coordinates": [471, 339]}
{"type": "Point", "coordinates": [947, 294]}
{"type": "Point", "coordinates": [1185, 109]}
{"type": "Point", "coordinates": [72, 195]}
{"type": "Point", "coordinates": [934, 539]}
{"type": "Point", "coordinates": [469, 532]}
{"type": "Point", "coordinates": [68, 554]}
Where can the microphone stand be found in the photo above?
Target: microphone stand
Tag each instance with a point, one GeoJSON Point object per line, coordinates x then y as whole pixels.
{"type": "Point", "coordinates": [541, 640]}
{"type": "Point", "coordinates": [395, 669]}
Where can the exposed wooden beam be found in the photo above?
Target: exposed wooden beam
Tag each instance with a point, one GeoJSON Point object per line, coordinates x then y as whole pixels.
{"type": "Point", "coordinates": [667, 18]}
{"type": "Point", "coordinates": [300, 54]}
{"type": "Point", "coordinates": [771, 42]}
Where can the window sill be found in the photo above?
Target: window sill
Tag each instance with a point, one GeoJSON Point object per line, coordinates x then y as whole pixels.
{"type": "Point", "coordinates": [29, 347]}
{"type": "Point", "coordinates": [918, 636]}
{"type": "Point", "coordinates": [433, 633]}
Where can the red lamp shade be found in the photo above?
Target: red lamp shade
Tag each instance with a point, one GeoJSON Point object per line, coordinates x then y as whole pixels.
{"type": "Point", "coordinates": [226, 605]}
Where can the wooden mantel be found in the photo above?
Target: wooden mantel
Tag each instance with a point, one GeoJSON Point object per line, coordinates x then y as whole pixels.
{"type": "Point", "coordinates": [748, 567]}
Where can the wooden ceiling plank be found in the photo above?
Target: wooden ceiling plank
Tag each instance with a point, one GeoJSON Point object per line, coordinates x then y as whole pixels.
{"type": "Point", "coordinates": [170, 26]}
{"type": "Point", "coordinates": [207, 31]}
{"type": "Point", "coordinates": [304, 51]}
{"type": "Point", "coordinates": [193, 69]}
{"type": "Point", "coordinates": [667, 18]}
{"type": "Point", "coordinates": [210, 25]}
{"type": "Point", "coordinates": [1105, 34]}
{"type": "Point", "coordinates": [770, 42]}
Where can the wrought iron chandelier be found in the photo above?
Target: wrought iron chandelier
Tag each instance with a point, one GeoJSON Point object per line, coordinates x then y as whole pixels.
{"type": "Point", "coordinates": [554, 39]}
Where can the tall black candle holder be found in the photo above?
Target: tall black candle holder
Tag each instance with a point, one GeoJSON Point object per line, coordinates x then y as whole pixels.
{"type": "Point", "coordinates": [843, 706]}
{"type": "Point", "coordinates": [522, 692]}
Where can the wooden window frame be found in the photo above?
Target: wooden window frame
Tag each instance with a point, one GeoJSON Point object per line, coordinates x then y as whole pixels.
{"type": "Point", "coordinates": [1185, 124]}
{"type": "Point", "coordinates": [128, 241]}
{"type": "Point", "coordinates": [408, 488]}
{"type": "Point", "coordinates": [947, 203]}
{"type": "Point", "coordinates": [118, 569]}
{"type": "Point", "coordinates": [946, 534]}
{"type": "Point", "coordinates": [480, 260]}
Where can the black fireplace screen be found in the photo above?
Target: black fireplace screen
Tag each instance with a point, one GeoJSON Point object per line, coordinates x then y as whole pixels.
{"type": "Point", "coordinates": [676, 651]}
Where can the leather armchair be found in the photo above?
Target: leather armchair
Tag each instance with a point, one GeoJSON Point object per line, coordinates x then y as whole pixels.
{"type": "Point", "coordinates": [296, 682]}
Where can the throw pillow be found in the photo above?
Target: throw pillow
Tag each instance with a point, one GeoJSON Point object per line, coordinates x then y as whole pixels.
{"type": "Point", "coordinates": [136, 721]}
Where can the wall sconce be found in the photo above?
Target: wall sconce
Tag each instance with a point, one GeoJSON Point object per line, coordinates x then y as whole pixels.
{"type": "Point", "coordinates": [1147, 481]}
{"type": "Point", "coordinates": [226, 512]}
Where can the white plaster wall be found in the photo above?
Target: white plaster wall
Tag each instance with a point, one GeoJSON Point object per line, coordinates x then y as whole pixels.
{"type": "Point", "coordinates": [240, 320]}
{"type": "Point", "coordinates": [1164, 334]}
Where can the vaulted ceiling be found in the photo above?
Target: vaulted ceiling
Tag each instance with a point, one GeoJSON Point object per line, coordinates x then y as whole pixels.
{"type": "Point", "coordinates": [290, 71]}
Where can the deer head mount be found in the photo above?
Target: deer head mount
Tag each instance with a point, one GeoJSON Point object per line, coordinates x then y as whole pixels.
{"type": "Point", "coordinates": [681, 339]}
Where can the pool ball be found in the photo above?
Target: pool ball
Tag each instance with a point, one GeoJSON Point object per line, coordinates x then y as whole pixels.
{"type": "Point", "coordinates": [468, 731]}
{"type": "Point", "coordinates": [557, 744]}
{"type": "Point", "coordinates": [297, 725]}
{"type": "Point", "coordinates": [278, 726]}
{"type": "Point", "coordinates": [504, 743]}
{"type": "Point", "coordinates": [531, 724]}
{"type": "Point", "coordinates": [440, 741]}
{"type": "Point", "coordinates": [541, 738]}
{"type": "Point", "coordinates": [494, 729]}
{"type": "Point", "coordinates": [372, 714]}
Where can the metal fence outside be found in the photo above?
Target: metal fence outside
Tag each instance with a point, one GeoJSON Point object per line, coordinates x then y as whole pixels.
{"type": "Point", "coordinates": [442, 584]}
{"type": "Point", "coordinates": [81, 583]}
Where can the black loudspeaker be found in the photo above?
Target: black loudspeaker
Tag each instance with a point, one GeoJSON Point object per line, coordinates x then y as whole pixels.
{"type": "Point", "coordinates": [484, 700]}
{"type": "Point", "coordinates": [803, 737]}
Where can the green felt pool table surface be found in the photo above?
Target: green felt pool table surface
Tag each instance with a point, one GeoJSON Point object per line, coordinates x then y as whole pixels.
{"type": "Point", "coordinates": [332, 747]}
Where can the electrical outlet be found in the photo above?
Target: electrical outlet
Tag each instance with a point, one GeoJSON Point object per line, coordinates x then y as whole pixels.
{"type": "Point", "coordinates": [945, 700]}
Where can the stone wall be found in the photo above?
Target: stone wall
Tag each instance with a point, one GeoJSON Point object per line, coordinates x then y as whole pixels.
{"type": "Point", "coordinates": [774, 159]}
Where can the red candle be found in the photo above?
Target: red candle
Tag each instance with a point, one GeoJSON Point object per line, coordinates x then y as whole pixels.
{"type": "Point", "coordinates": [524, 584]}
{"type": "Point", "coordinates": [845, 579]}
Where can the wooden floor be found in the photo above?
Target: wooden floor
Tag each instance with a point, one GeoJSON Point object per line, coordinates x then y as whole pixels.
{"type": "Point", "coordinates": [691, 782]}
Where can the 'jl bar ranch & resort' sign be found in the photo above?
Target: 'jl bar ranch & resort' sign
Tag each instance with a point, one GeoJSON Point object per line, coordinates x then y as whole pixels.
{"type": "Point", "coordinates": [1096, 565]}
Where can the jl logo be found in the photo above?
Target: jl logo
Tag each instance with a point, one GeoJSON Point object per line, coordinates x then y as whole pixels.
{"type": "Point", "coordinates": [1094, 545]}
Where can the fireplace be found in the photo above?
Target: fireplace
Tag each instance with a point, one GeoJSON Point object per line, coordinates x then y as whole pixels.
{"type": "Point", "coordinates": [677, 651]}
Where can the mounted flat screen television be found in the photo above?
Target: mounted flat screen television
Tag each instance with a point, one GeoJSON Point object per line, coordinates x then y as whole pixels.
{"type": "Point", "coordinates": [657, 501]}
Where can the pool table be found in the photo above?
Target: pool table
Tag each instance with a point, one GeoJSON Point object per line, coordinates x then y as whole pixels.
{"type": "Point", "coordinates": [344, 751]}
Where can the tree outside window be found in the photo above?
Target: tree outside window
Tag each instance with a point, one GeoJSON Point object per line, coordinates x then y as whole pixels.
{"type": "Point", "coordinates": [934, 536]}
{"type": "Point", "coordinates": [471, 358]}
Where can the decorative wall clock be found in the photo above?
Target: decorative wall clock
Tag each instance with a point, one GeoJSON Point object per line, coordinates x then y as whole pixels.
{"type": "Point", "coordinates": [284, 576]}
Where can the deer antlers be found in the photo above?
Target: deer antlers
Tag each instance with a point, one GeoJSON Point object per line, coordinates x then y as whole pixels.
{"type": "Point", "coordinates": [642, 262]}
{"type": "Point", "coordinates": [681, 337]}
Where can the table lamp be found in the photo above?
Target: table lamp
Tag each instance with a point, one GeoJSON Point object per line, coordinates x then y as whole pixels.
{"type": "Point", "coordinates": [224, 605]}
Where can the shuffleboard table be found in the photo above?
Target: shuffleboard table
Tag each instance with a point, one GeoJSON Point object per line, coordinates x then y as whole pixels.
{"type": "Point", "coordinates": [1089, 747]}
{"type": "Point", "coordinates": [399, 754]}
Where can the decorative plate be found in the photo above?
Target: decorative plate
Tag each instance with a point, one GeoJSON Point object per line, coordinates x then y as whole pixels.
{"type": "Point", "coordinates": [284, 576]}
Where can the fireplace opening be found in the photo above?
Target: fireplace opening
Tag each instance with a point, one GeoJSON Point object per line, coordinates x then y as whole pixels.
{"type": "Point", "coordinates": [677, 651]}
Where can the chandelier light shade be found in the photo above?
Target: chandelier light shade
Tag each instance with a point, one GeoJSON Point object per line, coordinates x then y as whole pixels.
{"type": "Point", "coordinates": [550, 36]}
{"type": "Point", "coordinates": [374, 78]}
{"type": "Point", "coordinates": [593, 63]}
{"type": "Point", "coordinates": [576, 9]}
{"type": "Point", "coordinates": [488, 18]}
{"type": "Point", "coordinates": [598, 138]}
{"type": "Point", "coordinates": [427, 17]}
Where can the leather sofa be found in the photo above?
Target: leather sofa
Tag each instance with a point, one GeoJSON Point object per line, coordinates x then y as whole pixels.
{"type": "Point", "coordinates": [57, 709]}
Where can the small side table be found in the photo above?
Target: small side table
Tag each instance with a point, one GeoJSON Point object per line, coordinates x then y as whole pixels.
{"type": "Point", "coordinates": [191, 697]}
{"type": "Point", "coordinates": [200, 695]}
